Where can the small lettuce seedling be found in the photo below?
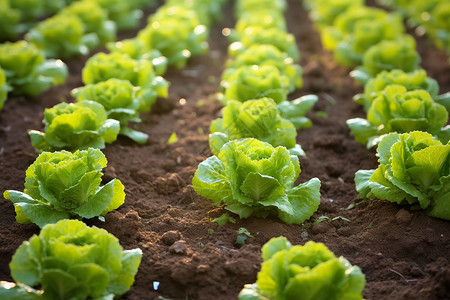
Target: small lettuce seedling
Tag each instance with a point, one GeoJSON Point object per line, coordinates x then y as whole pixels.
{"type": "Point", "coordinates": [69, 260]}
{"type": "Point", "coordinates": [258, 119]}
{"type": "Point", "coordinates": [62, 185]}
{"type": "Point", "coordinates": [140, 73]}
{"type": "Point", "coordinates": [311, 271]}
{"type": "Point", "coordinates": [398, 110]}
{"type": "Point", "coordinates": [414, 168]}
{"type": "Point", "coordinates": [121, 101]}
{"type": "Point", "coordinates": [253, 178]}
{"type": "Point", "coordinates": [388, 55]}
{"type": "Point", "coordinates": [75, 126]}
{"type": "Point", "coordinates": [26, 69]}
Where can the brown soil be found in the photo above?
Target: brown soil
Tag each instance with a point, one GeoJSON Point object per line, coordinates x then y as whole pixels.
{"type": "Point", "coordinates": [404, 254]}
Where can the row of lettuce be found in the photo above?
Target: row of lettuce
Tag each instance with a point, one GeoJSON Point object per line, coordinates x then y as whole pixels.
{"type": "Point", "coordinates": [69, 260]}
{"type": "Point", "coordinates": [427, 17]}
{"type": "Point", "coordinates": [406, 118]}
{"type": "Point", "coordinates": [75, 29]}
{"type": "Point", "coordinates": [255, 162]}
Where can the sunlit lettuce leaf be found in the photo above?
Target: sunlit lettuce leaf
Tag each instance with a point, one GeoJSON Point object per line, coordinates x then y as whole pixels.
{"type": "Point", "coordinates": [256, 6]}
{"type": "Point", "coordinates": [414, 80]}
{"type": "Point", "coordinates": [75, 126]}
{"type": "Point", "coordinates": [266, 54]}
{"type": "Point", "coordinates": [388, 55]}
{"type": "Point", "coordinates": [4, 88]}
{"type": "Point", "coordinates": [325, 12]}
{"type": "Point", "coordinates": [121, 101]}
{"type": "Point", "coordinates": [177, 33]}
{"type": "Point", "coordinates": [26, 69]}
{"type": "Point", "coordinates": [258, 119]}
{"type": "Point", "coordinates": [123, 13]}
{"type": "Point", "coordinates": [262, 18]}
{"type": "Point", "coordinates": [397, 110]}
{"type": "Point", "coordinates": [62, 185]}
{"type": "Point", "coordinates": [254, 82]}
{"type": "Point", "coordinates": [255, 179]}
{"type": "Point", "coordinates": [311, 271]}
{"type": "Point", "coordinates": [414, 168]}
{"type": "Point", "coordinates": [69, 260]}
{"type": "Point", "coordinates": [94, 19]}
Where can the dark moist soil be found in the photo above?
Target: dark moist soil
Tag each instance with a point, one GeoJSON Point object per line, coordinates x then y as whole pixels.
{"type": "Point", "coordinates": [404, 254]}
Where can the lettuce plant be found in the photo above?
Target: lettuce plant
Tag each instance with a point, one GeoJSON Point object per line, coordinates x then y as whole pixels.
{"type": "Point", "coordinates": [124, 13]}
{"type": "Point", "coordinates": [414, 168]}
{"type": "Point", "coordinates": [258, 35]}
{"type": "Point", "coordinates": [177, 33]}
{"type": "Point", "coordinates": [325, 12]}
{"type": "Point", "coordinates": [258, 119]}
{"type": "Point", "coordinates": [414, 80]}
{"type": "Point", "coordinates": [262, 18]}
{"type": "Point", "coordinates": [388, 55]}
{"type": "Point", "coordinates": [398, 110]}
{"type": "Point", "coordinates": [140, 73]}
{"type": "Point", "coordinates": [136, 49]}
{"type": "Point", "coordinates": [10, 26]}
{"type": "Point", "coordinates": [311, 271]}
{"type": "Point", "coordinates": [207, 10]}
{"type": "Point", "coordinates": [94, 19]}
{"type": "Point", "coordinates": [253, 178]}
{"type": "Point", "coordinates": [75, 126]}
{"type": "Point", "coordinates": [266, 54]}
{"type": "Point", "coordinates": [70, 260]}
{"type": "Point", "coordinates": [62, 36]}
{"type": "Point", "coordinates": [26, 69]}
{"type": "Point", "coordinates": [121, 101]}
{"type": "Point", "coordinates": [254, 82]}
{"type": "Point", "coordinates": [244, 6]}
{"type": "Point", "coordinates": [4, 88]}
{"type": "Point", "coordinates": [62, 185]}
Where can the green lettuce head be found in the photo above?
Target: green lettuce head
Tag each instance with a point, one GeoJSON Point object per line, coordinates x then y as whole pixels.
{"type": "Point", "coordinates": [254, 82]}
{"type": "Point", "coordinates": [311, 271]}
{"type": "Point", "coordinates": [255, 179]}
{"type": "Point", "coordinates": [414, 169]}
{"type": "Point", "coordinates": [325, 12]}
{"type": "Point", "coordinates": [62, 185]}
{"type": "Point", "coordinates": [398, 110]}
{"type": "Point", "coordinates": [388, 55]}
{"type": "Point", "coordinates": [140, 73]}
{"type": "Point", "coordinates": [121, 101]}
{"type": "Point", "coordinates": [75, 126]}
{"type": "Point", "coordinates": [258, 119]}
{"type": "Point", "coordinates": [261, 18]}
{"type": "Point", "coordinates": [69, 260]}
{"type": "Point", "coordinates": [26, 69]}
{"type": "Point", "coordinates": [265, 55]}
{"type": "Point", "coordinates": [414, 80]}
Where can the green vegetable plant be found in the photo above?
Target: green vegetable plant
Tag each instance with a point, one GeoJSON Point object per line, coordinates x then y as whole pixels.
{"type": "Point", "coordinates": [258, 119]}
{"type": "Point", "coordinates": [325, 12]}
{"type": "Point", "coordinates": [70, 260]}
{"type": "Point", "coordinates": [388, 55]}
{"type": "Point", "coordinates": [253, 178]}
{"type": "Point", "coordinates": [414, 80]}
{"type": "Point", "coordinates": [62, 36]}
{"type": "Point", "coordinates": [4, 88]}
{"type": "Point", "coordinates": [263, 55]}
{"type": "Point", "coordinates": [261, 18]}
{"type": "Point", "coordinates": [177, 33]}
{"type": "Point", "coordinates": [397, 110]}
{"type": "Point", "coordinates": [414, 168]}
{"type": "Point", "coordinates": [139, 73]}
{"type": "Point", "coordinates": [75, 126]}
{"type": "Point", "coordinates": [255, 82]}
{"type": "Point", "coordinates": [10, 25]}
{"type": "Point", "coordinates": [62, 185]}
{"type": "Point", "coordinates": [121, 101]}
{"type": "Point", "coordinates": [26, 69]}
{"type": "Point", "coordinates": [310, 271]}
{"type": "Point", "coordinates": [94, 19]}
{"type": "Point", "coordinates": [125, 14]}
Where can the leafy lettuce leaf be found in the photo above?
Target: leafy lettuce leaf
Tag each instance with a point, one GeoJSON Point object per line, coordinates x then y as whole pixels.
{"type": "Point", "coordinates": [62, 185]}
{"type": "Point", "coordinates": [255, 179]}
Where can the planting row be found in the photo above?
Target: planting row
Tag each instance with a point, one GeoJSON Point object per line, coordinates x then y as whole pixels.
{"type": "Point", "coordinates": [405, 116]}
{"type": "Point", "coordinates": [255, 162]}
{"type": "Point", "coordinates": [61, 185]}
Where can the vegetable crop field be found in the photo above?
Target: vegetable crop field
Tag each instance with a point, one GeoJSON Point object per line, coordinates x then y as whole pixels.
{"type": "Point", "coordinates": [176, 155]}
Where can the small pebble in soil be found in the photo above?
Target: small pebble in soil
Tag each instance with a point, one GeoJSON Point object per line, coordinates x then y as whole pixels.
{"type": "Point", "coordinates": [170, 237]}
{"type": "Point", "coordinates": [403, 216]}
{"type": "Point", "coordinates": [321, 227]}
{"type": "Point", "coordinates": [179, 247]}
{"type": "Point", "coordinates": [202, 268]}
